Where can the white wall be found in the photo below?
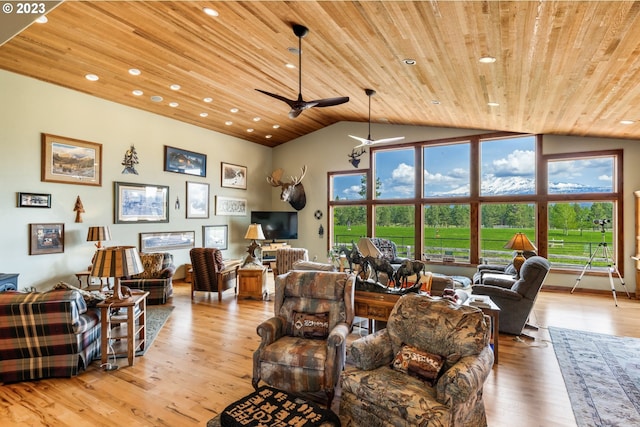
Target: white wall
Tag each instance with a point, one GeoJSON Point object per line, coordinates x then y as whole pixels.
{"type": "Point", "coordinates": [30, 107]}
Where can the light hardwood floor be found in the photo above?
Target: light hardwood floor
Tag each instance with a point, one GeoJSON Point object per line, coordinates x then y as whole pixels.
{"type": "Point", "coordinates": [202, 360]}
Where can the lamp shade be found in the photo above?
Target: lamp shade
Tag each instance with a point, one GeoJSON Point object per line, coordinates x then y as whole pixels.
{"type": "Point", "coordinates": [367, 248]}
{"type": "Point", "coordinates": [254, 232]}
{"type": "Point", "coordinates": [116, 261]}
{"type": "Point", "coordinates": [519, 242]}
{"type": "Point", "coordinates": [98, 234]}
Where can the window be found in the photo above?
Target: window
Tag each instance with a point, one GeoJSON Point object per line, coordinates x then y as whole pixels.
{"type": "Point", "coordinates": [396, 223]}
{"type": "Point", "coordinates": [499, 222]}
{"type": "Point", "coordinates": [446, 233]}
{"type": "Point", "coordinates": [446, 170]}
{"type": "Point", "coordinates": [508, 166]}
{"type": "Point", "coordinates": [395, 171]}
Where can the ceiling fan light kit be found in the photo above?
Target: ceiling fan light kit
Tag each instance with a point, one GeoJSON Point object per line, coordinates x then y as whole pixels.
{"type": "Point", "coordinates": [299, 105]}
{"type": "Point", "coordinates": [368, 141]}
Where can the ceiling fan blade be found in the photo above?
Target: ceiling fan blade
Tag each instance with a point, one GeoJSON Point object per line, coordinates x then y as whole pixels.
{"type": "Point", "coordinates": [386, 140]}
{"type": "Point", "coordinates": [363, 141]}
{"type": "Point", "coordinates": [290, 102]}
{"type": "Point", "coordinates": [328, 102]}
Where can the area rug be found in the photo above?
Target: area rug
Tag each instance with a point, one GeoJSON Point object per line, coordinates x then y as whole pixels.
{"type": "Point", "coordinates": [602, 376]}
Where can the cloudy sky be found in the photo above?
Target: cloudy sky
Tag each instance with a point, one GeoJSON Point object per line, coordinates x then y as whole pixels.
{"type": "Point", "coordinates": [508, 166]}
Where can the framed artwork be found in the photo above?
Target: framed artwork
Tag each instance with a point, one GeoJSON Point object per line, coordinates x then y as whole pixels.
{"type": "Point", "coordinates": [34, 200]}
{"type": "Point", "coordinates": [140, 203]}
{"type": "Point", "coordinates": [183, 161]}
{"type": "Point", "coordinates": [230, 206]}
{"type": "Point", "coordinates": [234, 176]}
{"type": "Point", "coordinates": [71, 161]}
{"type": "Point", "coordinates": [215, 236]}
{"type": "Point", "coordinates": [197, 200]}
{"type": "Point", "coordinates": [46, 238]}
{"type": "Point", "coordinates": [163, 241]}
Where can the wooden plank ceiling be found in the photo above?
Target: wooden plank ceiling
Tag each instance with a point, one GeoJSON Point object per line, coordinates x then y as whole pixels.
{"type": "Point", "coordinates": [570, 67]}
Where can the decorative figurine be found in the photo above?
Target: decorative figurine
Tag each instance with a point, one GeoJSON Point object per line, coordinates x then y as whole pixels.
{"type": "Point", "coordinates": [79, 209]}
{"type": "Point", "coordinates": [130, 160]}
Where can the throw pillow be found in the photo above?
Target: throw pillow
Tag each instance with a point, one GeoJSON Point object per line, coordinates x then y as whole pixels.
{"type": "Point", "coordinates": [418, 363]}
{"type": "Point", "coordinates": [311, 325]}
{"type": "Point", "coordinates": [218, 260]}
{"type": "Point", "coordinates": [152, 264]}
{"type": "Point", "coordinates": [90, 298]}
{"type": "Point", "coordinates": [314, 266]}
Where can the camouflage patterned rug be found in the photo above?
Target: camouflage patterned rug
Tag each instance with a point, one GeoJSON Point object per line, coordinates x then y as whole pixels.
{"type": "Point", "coordinates": [602, 376]}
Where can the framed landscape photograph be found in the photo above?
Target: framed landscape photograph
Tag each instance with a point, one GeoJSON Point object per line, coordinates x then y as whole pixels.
{"type": "Point", "coordinates": [140, 203]}
{"type": "Point", "coordinates": [183, 161]}
{"type": "Point", "coordinates": [234, 176]}
{"type": "Point", "coordinates": [215, 236]}
{"type": "Point", "coordinates": [46, 238]}
{"type": "Point", "coordinates": [71, 161]}
{"type": "Point", "coordinates": [197, 200]}
{"type": "Point", "coordinates": [163, 241]}
{"type": "Point", "coordinates": [34, 200]}
{"type": "Point", "coordinates": [230, 206]}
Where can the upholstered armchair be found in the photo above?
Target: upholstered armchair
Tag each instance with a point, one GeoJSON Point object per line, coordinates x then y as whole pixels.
{"type": "Point", "coordinates": [427, 368]}
{"type": "Point", "coordinates": [286, 257]}
{"type": "Point", "coordinates": [494, 271]}
{"type": "Point", "coordinates": [303, 347]}
{"type": "Point", "coordinates": [210, 274]}
{"type": "Point", "coordinates": [389, 250]}
{"type": "Point", "coordinates": [157, 277]}
{"type": "Point", "coordinates": [516, 297]}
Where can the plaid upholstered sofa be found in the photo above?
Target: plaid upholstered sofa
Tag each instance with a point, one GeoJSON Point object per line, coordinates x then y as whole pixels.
{"type": "Point", "coordinates": [49, 334]}
{"type": "Point", "coordinates": [157, 277]}
{"type": "Point", "coordinates": [427, 368]}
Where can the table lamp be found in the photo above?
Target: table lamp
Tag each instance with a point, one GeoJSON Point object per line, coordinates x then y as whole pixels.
{"type": "Point", "coordinates": [116, 262]}
{"type": "Point", "coordinates": [519, 243]}
{"type": "Point", "coordinates": [98, 234]}
{"type": "Point", "coordinates": [254, 232]}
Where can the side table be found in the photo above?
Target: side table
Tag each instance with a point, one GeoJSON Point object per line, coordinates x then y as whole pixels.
{"type": "Point", "coordinates": [252, 282]}
{"type": "Point", "coordinates": [493, 311]}
{"type": "Point", "coordinates": [130, 327]}
{"type": "Point", "coordinates": [87, 275]}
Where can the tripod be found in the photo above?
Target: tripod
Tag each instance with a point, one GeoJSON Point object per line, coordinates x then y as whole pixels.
{"type": "Point", "coordinates": [611, 266]}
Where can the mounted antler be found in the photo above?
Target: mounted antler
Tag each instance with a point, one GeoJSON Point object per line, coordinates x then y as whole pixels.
{"type": "Point", "coordinates": [292, 192]}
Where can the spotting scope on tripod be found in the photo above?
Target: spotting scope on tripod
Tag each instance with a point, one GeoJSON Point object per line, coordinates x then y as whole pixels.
{"type": "Point", "coordinates": [611, 264]}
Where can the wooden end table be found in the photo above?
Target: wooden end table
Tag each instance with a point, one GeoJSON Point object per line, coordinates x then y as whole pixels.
{"type": "Point", "coordinates": [252, 282]}
{"type": "Point", "coordinates": [130, 327]}
{"type": "Point", "coordinates": [493, 311]}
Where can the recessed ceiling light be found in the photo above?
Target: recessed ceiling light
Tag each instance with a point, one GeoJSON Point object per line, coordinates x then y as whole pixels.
{"type": "Point", "coordinates": [435, 102]}
{"type": "Point", "coordinates": [487, 59]}
{"type": "Point", "coordinates": [207, 99]}
{"type": "Point", "coordinates": [174, 87]}
{"type": "Point", "coordinates": [137, 92]}
{"type": "Point", "coordinates": [156, 98]}
{"type": "Point", "coordinates": [276, 126]}
{"type": "Point", "coordinates": [91, 77]}
{"type": "Point", "coordinates": [409, 61]}
{"type": "Point", "coordinates": [627, 122]}
{"type": "Point", "coordinates": [268, 136]}
{"type": "Point", "coordinates": [290, 66]}
{"type": "Point", "coordinates": [250, 130]}
{"type": "Point", "coordinates": [210, 12]}
{"type": "Point", "coordinates": [256, 119]}
{"type": "Point", "coordinates": [204, 114]}
{"type": "Point", "coordinates": [493, 104]}
{"type": "Point", "coordinates": [173, 104]}
{"type": "Point", "coordinates": [42, 20]}
{"type": "Point", "coordinates": [134, 71]}
{"type": "Point", "coordinates": [228, 123]}
{"type": "Point", "coordinates": [234, 110]}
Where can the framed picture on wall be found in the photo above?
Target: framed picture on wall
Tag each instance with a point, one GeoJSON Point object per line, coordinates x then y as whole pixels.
{"type": "Point", "coordinates": [71, 161]}
{"type": "Point", "coordinates": [197, 200]}
{"type": "Point", "coordinates": [140, 203]}
{"type": "Point", "coordinates": [34, 200]}
{"type": "Point", "coordinates": [215, 236]}
{"type": "Point", "coordinates": [46, 238]}
{"type": "Point", "coordinates": [183, 161]}
{"type": "Point", "coordinates": [164, 241]}
{"type": "Point", "coordinates": [233, 176]}
{"type": "Point", "coordinates": [230, 206]}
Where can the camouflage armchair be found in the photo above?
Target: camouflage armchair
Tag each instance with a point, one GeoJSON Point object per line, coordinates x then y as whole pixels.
{"type": "Point", "coordinates": [303, 347]}
{"type": "Point", "coordinates": [383, 386]}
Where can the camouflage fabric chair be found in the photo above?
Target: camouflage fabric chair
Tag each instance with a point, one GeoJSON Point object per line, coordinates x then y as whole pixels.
{"type": "Point", "coordinates": [376, 392]}
{"type": "Point", "coordinates": [303, 347]}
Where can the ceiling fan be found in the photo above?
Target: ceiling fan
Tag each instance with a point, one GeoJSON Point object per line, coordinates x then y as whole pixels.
{"type": "Point", "coordinates": [299, 105]}
{"type": "Point", "coordinates": [368, 141]}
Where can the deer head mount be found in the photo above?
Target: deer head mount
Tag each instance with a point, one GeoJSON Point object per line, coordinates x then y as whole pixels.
{"type": "Point", "coordinates": [292, 192]}
{"type": "Point", "coordinates": [354, 156]}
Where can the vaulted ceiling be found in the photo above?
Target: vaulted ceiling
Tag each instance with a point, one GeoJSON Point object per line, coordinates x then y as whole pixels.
{"type": "Point", "coordinates": [570, 68]}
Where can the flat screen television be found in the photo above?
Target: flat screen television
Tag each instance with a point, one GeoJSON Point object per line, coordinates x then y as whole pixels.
{"type": "Point", "coordinates": [277, 225]}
